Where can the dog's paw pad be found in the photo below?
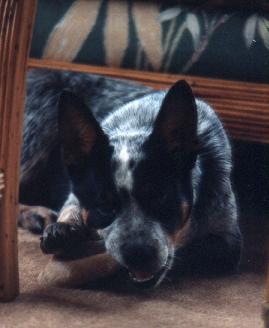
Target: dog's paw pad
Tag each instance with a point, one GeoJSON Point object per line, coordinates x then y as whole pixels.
{"type": "Point", "coordinates": [36, 218]}
{"type": "Point", "coordinates": [56, 238]}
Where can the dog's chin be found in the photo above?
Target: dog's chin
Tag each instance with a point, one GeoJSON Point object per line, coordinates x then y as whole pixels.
{"type": "Point", "coordinates": [146, 280]}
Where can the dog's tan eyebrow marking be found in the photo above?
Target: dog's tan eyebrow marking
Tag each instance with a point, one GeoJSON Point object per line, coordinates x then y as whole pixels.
{"type": "Point", "coordinates": [85, 216]}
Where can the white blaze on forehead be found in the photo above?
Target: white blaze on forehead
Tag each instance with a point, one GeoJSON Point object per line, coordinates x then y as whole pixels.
{"type": "Point", "coordinates": [124, 156]}
{"type": "Point", "coordinates": [123, 174]}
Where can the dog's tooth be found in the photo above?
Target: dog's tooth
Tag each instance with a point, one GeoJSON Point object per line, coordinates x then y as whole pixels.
{"type": "Point", "coordinates": [143, 280]}
{"type": "Point", "coordinates": [138, 278]}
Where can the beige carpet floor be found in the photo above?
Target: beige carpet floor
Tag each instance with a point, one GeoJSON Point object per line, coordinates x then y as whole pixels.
{"type": "Point", "coordinates": [233, 301]}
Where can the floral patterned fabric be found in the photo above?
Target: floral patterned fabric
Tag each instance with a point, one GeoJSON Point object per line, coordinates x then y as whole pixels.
{"type": "Point", "coordinates": [155, 36]}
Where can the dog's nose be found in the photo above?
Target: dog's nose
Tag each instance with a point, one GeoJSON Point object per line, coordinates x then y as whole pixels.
{"type": "Point", "coordinates": [140, 256]}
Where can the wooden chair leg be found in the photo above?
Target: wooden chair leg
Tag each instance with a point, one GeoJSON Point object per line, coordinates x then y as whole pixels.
{"type": "Point", "coordinates": [266, 304]}
{"type": "Point", "coordinates": [16, 23]}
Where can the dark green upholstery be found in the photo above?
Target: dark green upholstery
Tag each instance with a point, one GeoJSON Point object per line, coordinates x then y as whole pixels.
{"type": "Point", "coordinates": [218, 43]}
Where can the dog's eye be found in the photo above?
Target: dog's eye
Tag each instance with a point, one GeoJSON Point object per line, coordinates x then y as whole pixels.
{"type": "Point", "coordinates": [100, 218]}
{"type": "Point", "coordinates": [103, 211]}
{"type": "Point", "coordinates": [107, 205]}
{"type": "Point", "coordinates": [103, 214]}
{"type": "Point", "coordinates": [149, 189]}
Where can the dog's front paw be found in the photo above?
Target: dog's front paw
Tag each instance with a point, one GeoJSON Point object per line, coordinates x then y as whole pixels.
{"type": "Point", "coordinates": [60, 237]}
{"type": "Point", "coordinates": [55, 238]}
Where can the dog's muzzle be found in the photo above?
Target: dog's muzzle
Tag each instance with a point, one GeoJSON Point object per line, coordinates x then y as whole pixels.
{"type": "Point", "coordinates": [146, 264]}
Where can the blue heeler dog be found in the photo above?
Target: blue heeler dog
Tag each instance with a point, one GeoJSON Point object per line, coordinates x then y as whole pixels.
{"type": "Point", "coordinates": [150, 169]}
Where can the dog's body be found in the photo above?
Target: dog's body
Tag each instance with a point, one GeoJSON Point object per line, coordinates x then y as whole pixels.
{"type": "Point", "coordinates": [150, 169]}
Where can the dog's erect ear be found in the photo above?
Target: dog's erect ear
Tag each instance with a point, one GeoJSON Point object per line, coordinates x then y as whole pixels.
{"type": "Point", "coordinates": [176, 122]}
{"type": "Point", "coordinates": [78, 129]}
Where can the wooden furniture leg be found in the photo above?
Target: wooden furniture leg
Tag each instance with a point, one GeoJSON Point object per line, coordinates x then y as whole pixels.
{"type": "Point", "coordinates": [16, 22]}
{"type": "Point", "coordinates": [266, 304]}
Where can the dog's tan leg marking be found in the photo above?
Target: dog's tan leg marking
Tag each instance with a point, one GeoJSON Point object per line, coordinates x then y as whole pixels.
{"type": "Point", "coordinates": [2, 183]}
{"type": "Point", "coordinates": [44, 212]}
{"type": "Point", "coordinates": [69, 231]}
{"type": "Point", "coordinates": [71, 211]}
{"type": "Point", "coordinates": [35, 218]}
{"type": "Point", "coordinates": [75, 216]}
{"type": "Point", "coordinates": [183, 234]}
{"type": "Point", "coordinates": [70, 214]}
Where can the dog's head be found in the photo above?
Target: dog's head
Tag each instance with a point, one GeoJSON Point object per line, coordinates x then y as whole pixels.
{"type": "Point", "coordinates": [137, 190]}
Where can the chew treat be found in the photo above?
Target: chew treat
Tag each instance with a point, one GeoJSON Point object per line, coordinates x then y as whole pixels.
{"type": "Point", "coordinates": [85, 264]}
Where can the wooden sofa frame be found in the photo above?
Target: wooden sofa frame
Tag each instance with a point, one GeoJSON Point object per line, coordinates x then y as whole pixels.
{"type": "Point", "coordinates": [242, 106]}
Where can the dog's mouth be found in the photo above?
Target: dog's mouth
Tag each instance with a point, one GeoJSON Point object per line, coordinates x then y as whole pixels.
{"type": "Point", "coordinates": [148, 280]}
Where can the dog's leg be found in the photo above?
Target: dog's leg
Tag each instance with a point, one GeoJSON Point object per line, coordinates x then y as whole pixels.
{"type": "Point", "coordinates": [212, 254]}
{"type": "Point", "coordinates": [218, 249]}
{"type": "Point", "coordinates": [32, 218]}
{"type": "Point", "coordinates": [35, 218]}
{"type": "Point", "coordinates": [69, 230]}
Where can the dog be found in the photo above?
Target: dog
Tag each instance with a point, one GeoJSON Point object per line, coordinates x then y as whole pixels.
{"type": "Point", "coordinates": [151, 170]}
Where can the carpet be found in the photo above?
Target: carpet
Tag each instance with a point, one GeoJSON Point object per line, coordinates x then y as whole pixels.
{"type": "Point", "coordinates": [220, 302]}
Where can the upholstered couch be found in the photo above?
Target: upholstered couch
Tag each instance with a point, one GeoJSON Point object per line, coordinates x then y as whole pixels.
{"type": "Point", "coordinates": [206, 39]}
{"type": "Point", "coordinates": [225, 43]}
